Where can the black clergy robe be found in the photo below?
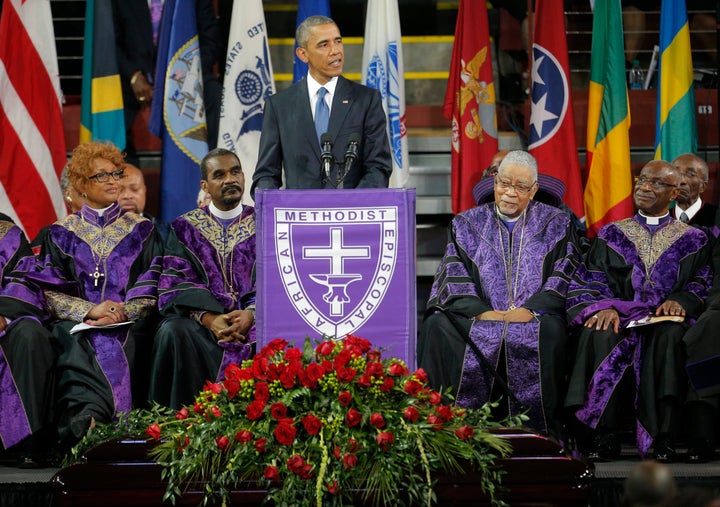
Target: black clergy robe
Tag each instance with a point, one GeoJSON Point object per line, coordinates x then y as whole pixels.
{"type": "Point", "coordinates": [633, 269]}
{"type": "Point", "coordinates": [26, 354]}
{"type": "Point", "coordinates": [484, 268]}
{"type": "Point", "coordinates": [85, 260]}
{"type": "Point", "coordinates": [207, 268]}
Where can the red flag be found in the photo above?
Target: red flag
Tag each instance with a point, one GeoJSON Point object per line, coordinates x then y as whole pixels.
{"type": "Point", "coordinates": [552, 121]}
{"type": "Point", "coordinates": [32, 140]}
{"type": "Point", "coordinates": [470, 102]}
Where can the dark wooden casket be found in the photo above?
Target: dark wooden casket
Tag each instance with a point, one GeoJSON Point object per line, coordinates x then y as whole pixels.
{"type": "Point", "coordinates": [119, 473]}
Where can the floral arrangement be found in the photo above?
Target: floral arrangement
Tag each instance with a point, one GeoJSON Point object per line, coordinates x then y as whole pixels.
{"type": "Point", "coordinates": [318, 424]}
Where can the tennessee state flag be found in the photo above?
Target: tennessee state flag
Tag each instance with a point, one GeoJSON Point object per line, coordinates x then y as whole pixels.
{"type": "Point", "coordinates": [470, 102]}
{"type": "Point", "coordinates": [608, 192]}
{"type": "Point", "coordinates": [552, 122]}
{"type": "Point", "coordinates": [676, 128]}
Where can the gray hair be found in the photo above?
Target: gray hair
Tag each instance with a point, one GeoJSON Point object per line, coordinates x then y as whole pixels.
{"type": "Point", "coordinates": [302, 34]}
{"type": "Point", "coordinates": [521, 158]}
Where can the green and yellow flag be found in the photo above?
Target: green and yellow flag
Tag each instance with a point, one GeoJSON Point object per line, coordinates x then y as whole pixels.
{"type": "Point", "coordinates": [101, 117]}
{"type": "Point", "coordinates": [608, 192]}
{"type": "Point", "coordinates": [676, 128]}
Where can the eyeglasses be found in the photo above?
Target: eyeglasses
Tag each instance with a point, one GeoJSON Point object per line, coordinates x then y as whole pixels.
{"type": "Point", "coordinates": [505, 185]}
{"type": "Point", "coordinates": [104, 177]}
{"type": "Point", "coordinates": [653, 183]}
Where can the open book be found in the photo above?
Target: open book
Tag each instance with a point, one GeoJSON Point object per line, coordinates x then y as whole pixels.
{"type": "Point", "coordinates": [82, 326]}
{"type": "Point", "coordinates": [654, 319]}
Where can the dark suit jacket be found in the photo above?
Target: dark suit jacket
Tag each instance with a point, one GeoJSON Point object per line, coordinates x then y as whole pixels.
{"type": "Point", "coordinates": [706, 216]}
{"type": "Point", "coordinates": [288, 139]}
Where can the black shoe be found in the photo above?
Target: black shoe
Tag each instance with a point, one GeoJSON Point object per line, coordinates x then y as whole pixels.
{"type": "Point", "coordinates": [699, 451]}
{"type": "Point", "coordinates": [605, 447]}
{"type": "Point", "coordinates": [664, 449]}
{"type": "Point", "coordinates": [28, 462]}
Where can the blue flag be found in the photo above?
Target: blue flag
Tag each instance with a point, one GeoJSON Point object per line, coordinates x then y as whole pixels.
{"type": "Point", "coordinates": [178, 111]}
{"type": "Point", "coordinates": [101, 112]}
{"type": "Point", "coordinates": [307, 8]}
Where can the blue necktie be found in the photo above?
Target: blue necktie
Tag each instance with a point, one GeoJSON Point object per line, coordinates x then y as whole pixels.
{"type": "Point", "coordinates": [322, 114]}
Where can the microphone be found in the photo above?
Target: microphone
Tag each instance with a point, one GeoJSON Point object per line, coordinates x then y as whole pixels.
{"type": "Point", "coordinates": [350, 156]}
{"type": "Point", "coordinates": [326, 157]}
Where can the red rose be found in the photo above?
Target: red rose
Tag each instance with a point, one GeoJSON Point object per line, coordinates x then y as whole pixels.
{"type": "Point", "coordinates": [444, 411]}
{"type": "Point", "coordinates": [325, 348]}
{"type": "Point", "coordinates": [326, 365]}
{"type": "Point", "coordinates": [374, 369]}
{"type": "Point", "coordinates": [385, 440]}
{"type": "Point", "coordinates": [464, 432]}
{"type": "Point", "coordinates": [353, 418]}
{"type": "Point", "coordinates": [365, 380]}
{"type": "Point", "coordinates": [255, 410]}
{"type": "Point", "coordinates": [342, 359]}
{"type": "Point", "coordinates": [153, 431]}
{"type": "Point", "coordinates": [244, 436]}
{"type": "Point", "coordinates": [353, 445]}
{"type": "Point", "coordinates": [275, 345]}
{"type": "Point", "coordinates": [374, 355]}
{"type": "Point", "coordinates": [285, 433]}
{"type": "Point", "coordinates": [216, 412]}
{"type": "Point", "coordinates": [262, 392]}
{"type": "Point", "coordinates": [260, 445]}
{"type": "Point", "coordinates": [397, 369]}
{"type": "Point", "coordinates": [312, 424]}
{"type": "Point", "coordinates": [260, 368]}
{"type": "Point", "coordinates": [411, 414]}
{"type": "Point", "coordinates": [232, 386]}
{"type": "Point", "coordinates": [293, 355]}
{"type": "Point", "coordinates": [357, 344]}
{"type": "Point", "coordinates": [287, 378]}
{"type": "Point", "coordinates": [333, 487]}
{"type": "Point", "coordinates": [278, 410]}
{"type": "Point", "coordinates": [213, 387]}
{"type": "Point", "coordinates": [436, 422]}
{"type": "Point", "coordinates": [412, 387]}
{"type": "Point", "coordinates": [314, 372]}
{"type": "Point", "coordinates": [306, 473]}
{"type": "Point", "coordinates": [377, 421]}
{"type": "Point", "coordinates": [349, 461]}
{"type": "Point", "coordinates": [346, 374]}
{"type": "Point", "coordinates": [271, 473]}
{"type": "Point", "coordinates": [181, 414]}
{"type": "Point", "coordinates": [198, 408]}
{"type": "Point", "coordinates": [420, 375]}
{"type": "Point", "coordinates": [182, 444]}
{"type": "Point", "coordinates": [387, 385]}
{"type": "Point", "coordinates": [295, 463]}
{"type": "Point", "coordinates": [345, 398]}
{"type": "Point", "coordinates": [434, 398]}
{"type": "Point", "coordinates": [222, 442]}
{"type": "Point", "coordinates": [337, 452]}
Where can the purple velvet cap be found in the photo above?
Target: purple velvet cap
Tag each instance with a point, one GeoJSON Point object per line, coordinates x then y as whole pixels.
{"type": "Point", "coordinates": [550, 191]}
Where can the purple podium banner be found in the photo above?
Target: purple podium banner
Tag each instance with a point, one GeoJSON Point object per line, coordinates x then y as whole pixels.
{"type": "Point", "coordinates": [337, 262]}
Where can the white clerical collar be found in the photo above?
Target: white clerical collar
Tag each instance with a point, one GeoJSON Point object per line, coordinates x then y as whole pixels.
{"type": "Point", "coordinates": [226, 215]}
{"type": "Point", "coordinates": [653, 220]}
{"type": "Point", "coordinates": [691, 211]}
{"type": "Point", "coordinates": [506, 218]}
{"type": "Point", "coordinates": [102, 211]}
{"type": "Point", "coordinates": [314, 86]}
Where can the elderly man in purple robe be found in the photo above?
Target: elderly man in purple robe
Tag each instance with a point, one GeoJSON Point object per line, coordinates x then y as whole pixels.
{"type": "Point", "coordinates": [495, 322]}
{"type": "Point", "coordinates": [207, 288]}
{"type": "Point", "coordinates": [644, 280]}
{"type": "Point", "coordinates": [27, 357]}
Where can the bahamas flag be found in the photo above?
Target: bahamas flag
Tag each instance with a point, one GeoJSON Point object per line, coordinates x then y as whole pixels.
{"type": "Point", "coordinates": [178, 111]}
{"type": "Point", "coordinates": [101, 106]}
{"type": "Point", "coordinates": [307, 8]}
{"type": "Point", "coordinates": [608, 192]}
{"type": "Point", "coordinates": [676, 129]}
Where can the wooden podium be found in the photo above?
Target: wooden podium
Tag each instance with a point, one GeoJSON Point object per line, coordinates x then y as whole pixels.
{"type": "Point", "coordinates": [119, 473]}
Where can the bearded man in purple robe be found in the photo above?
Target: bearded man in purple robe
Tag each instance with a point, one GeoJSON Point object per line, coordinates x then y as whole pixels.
{"type": "Point", "coordinates": [207, 288]}
{"type": "Point", "coordinates": [495, 322]}
{"type": "Point", "coordinates": [649, 265]}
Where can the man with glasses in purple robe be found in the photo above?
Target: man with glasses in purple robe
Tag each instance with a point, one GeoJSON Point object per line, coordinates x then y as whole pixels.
{"type": "Point", "coordinates": [207, 288]}
{"type": "Point", "coordinates": [646, 266]}
{"type": "Point", "coordinates": [27, 357]}
{"type": "Point", "coordinates": [495, 322]}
